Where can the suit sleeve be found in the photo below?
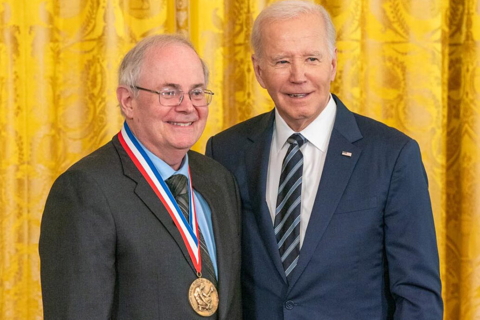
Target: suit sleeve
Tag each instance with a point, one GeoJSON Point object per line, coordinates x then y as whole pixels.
{"type": "Point", "coordinates": [77, 250]}
{"type": "Point", "coordinates": [235, 309]}
{"type": "Point", "coordinates": [410, 241]}
{"type": "Point", "coordinates": [209, 148]}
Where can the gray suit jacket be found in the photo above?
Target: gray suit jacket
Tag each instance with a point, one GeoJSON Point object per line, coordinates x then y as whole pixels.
{"type": "Point", "coordinates": [109, 249]}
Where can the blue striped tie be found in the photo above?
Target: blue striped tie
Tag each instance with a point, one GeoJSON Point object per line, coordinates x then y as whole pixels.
{"type": "Point", "coordinates": [287, 213]}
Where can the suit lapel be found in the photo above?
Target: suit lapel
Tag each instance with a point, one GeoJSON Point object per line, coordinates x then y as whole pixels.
{"type": "Point", "coordinates": [210, 191]}
{"type": "Point", "coordinates": [336, 174]}
{"type": "Point", "coordinates": [147, 195]}
{"type": "Point", "coordinates": [256, 159]}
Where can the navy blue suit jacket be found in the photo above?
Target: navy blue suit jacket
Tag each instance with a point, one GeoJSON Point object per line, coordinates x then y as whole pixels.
{"type": "Point", "coordinates": [370, 249]}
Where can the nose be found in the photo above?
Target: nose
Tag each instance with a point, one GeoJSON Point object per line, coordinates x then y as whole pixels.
{"type": "Point", "coordinates": [297, 72]}
{"type": "Point", "coordinates": [185, 104]}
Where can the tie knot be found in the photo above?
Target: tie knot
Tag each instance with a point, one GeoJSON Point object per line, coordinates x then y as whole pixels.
{"type": "Point", "coordinates": [297, 139]}
{"type": "Point", "coordinates": [177, 184]}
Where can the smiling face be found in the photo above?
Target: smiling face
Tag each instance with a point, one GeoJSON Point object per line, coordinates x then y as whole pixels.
{"type": "Point", "coordinates": [168, 132]}
{"type": "Point", "coordinates": [296, 68]}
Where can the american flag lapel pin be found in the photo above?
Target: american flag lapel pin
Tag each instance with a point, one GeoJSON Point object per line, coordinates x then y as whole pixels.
{"type": "Point", "coordinates": [346, 154]}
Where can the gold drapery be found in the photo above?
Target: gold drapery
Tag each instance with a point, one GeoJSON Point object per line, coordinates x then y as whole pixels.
{"type": "Point", "coordinates": [412, 64]}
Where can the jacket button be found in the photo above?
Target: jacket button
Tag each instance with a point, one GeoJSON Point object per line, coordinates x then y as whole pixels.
{"type": "Point", "coordinates": [289, 305]}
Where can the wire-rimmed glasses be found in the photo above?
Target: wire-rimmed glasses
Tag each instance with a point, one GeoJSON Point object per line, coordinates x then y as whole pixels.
{"type": "Point", "coordinates": [173, 97]}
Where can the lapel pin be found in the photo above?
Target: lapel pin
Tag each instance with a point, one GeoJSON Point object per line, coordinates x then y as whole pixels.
{"type": "Point", "coordinates": [346, 154]}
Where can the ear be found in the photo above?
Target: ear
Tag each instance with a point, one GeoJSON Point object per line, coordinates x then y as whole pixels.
{"type": "Point", "coordinates": [258, 70]}
{"type": "Point", "coordinates": [125, 99]}
{"type": "Point", "coordinates": [334, 66]}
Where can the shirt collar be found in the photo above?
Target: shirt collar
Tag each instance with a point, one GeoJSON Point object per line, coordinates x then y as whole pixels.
{"type": "Point", "coordinates": [317, 133]}
{"type": "Point", "coordinates": [163, 168]}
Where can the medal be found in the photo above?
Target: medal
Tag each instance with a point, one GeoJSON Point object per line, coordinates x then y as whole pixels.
{"type": "Point", "coordinates": [203, 297]}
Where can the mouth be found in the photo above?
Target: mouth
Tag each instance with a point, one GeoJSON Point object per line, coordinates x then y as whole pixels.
{"type": "Point", "coordinates": [181, 124]}
{"type": "Point", "coordinates": [297, 95]}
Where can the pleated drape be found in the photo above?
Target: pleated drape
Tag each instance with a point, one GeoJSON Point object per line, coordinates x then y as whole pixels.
{"type": "Point", "coordinates": [413, 64]}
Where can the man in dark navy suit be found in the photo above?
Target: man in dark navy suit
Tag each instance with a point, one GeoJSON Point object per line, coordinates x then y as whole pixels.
{"type": "Point", "coordinates": [337, 220]}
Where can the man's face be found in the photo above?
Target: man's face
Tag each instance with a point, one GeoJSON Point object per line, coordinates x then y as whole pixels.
{"type": "Point", "coordinates": [296, 68]}
{"type": "Point", "coordinates": [168, 132]}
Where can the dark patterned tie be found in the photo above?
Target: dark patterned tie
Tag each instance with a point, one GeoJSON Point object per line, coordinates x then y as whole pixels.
{"type": "Point", "coordinates": [178, 186]}
{"type": "Point", "coordinates": [287, 213]}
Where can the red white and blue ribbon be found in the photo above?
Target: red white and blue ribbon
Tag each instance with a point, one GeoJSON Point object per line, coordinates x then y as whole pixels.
{"type": "Point", "coordinates": [187, 229]}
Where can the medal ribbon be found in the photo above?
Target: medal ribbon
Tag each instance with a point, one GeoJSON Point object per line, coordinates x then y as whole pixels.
{"type": "Point", "coordinates": [188, 231]}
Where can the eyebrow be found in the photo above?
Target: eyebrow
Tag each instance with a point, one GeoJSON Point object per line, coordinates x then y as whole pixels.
{"type": "Point", "coordinates": [279, 57]}
{"type": "Point", "coordinates": [177, 86]}
{"type": "Point", "coordinates": [285, 56]}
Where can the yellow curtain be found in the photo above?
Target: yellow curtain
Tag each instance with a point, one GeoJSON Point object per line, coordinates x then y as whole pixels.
{"type": "Point", "coordinates": [413, 64]}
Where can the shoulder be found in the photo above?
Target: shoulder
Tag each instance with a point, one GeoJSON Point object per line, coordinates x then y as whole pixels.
{"type": "Point", "coordinates": [250, 127]}
{"type": "Point", "coordinates": [92, 179]}
{"type": "Point", "coordinates": [208, 174]}
{"type": "Point", "coordinates": [101, 160]}
{"type": "Point", "coordinates": [375, 137]}
{"type": "Point", "coordinates": [363, 129]}
{"type": "Point", "coordinates": [385, 143]}
{"type": "Point", "coordinates": [202, 164]}
{"type": "Point", "coordinates": [379, 131]}
{"type": "Point", "coordinates": [99, 167]}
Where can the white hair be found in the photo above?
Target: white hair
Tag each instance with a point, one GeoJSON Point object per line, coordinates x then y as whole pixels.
{"type": "Point", "coordinates": [131, 65]}
{"type": "Point", "coordinates": [288, 9]}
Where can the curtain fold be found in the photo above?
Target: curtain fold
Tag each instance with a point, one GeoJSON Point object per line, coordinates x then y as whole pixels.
{"type": "Point", "coordinates": [414, 65]}
{"type": "Point", "coordinates": [460, 224]}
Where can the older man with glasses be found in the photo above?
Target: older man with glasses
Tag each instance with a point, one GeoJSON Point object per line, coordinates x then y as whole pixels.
{"type": "Point", "coordinates": [145, 228]}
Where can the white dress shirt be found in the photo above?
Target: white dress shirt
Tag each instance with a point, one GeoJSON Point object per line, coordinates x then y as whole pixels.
{"type": "Point", "coordinates": [314, 152]}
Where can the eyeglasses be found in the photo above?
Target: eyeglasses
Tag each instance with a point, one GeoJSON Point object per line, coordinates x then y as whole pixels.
{"type": "Point", "coordinates": [174, 97]}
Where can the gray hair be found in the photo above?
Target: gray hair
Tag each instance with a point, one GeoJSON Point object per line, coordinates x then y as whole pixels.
{"type": "Point", "coordinates": [131, 65]}
{"type": "Point", "coordinates": [285, 10]}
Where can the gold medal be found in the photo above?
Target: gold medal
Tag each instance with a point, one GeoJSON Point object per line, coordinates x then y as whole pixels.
{"type": "Point", "coordinates": [203, 297]}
